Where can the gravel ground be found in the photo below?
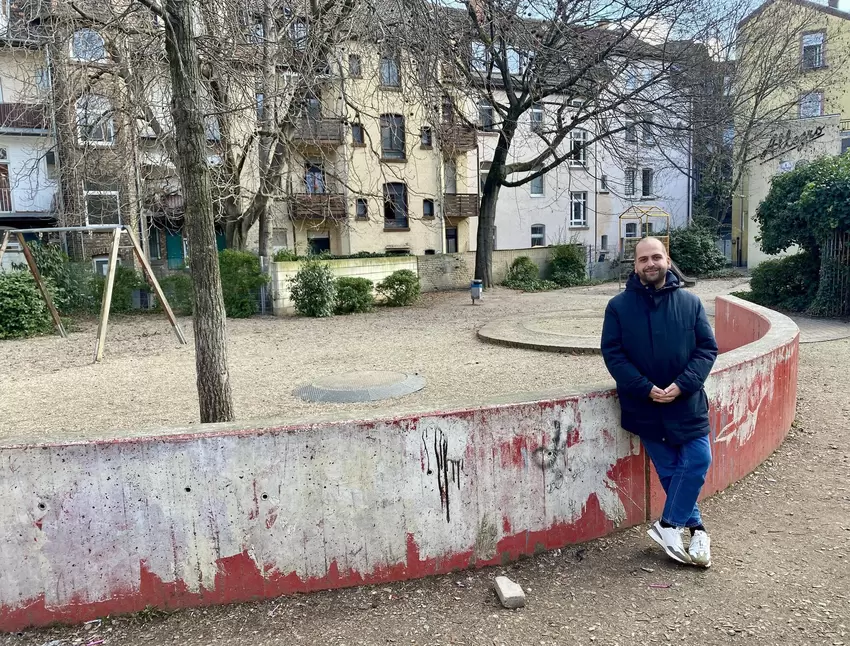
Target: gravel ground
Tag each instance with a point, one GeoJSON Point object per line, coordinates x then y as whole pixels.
{"type": "Point", "coordinates": [781, 573]}
{"type": "Point", "coordinates": [51, 391]}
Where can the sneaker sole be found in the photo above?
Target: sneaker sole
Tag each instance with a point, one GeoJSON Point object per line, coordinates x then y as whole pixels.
{"type": "Point", "coordinates": [702, 565]}
{"type": "Point", "coordinates": [684, 559]}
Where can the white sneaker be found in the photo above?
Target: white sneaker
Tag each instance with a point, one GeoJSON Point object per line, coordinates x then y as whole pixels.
{"type": "Point", "coordinates": [670, 538]}
{"type": "Point", "coordinates": [700, 549]}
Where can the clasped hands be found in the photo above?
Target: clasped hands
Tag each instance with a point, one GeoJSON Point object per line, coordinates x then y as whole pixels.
{"type": "Point", "coordinates": [666, 395]}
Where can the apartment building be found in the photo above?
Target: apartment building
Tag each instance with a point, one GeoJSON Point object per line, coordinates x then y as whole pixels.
{"type": "Point", "coordinates": [810, 108]}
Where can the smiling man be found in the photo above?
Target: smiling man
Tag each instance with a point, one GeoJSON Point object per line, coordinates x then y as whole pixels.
{"type": "Point", "coordinates": [659, 347]}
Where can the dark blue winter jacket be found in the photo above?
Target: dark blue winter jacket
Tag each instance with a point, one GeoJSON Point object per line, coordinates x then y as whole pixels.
{"type": "Point", "coordinates": [656, 338]}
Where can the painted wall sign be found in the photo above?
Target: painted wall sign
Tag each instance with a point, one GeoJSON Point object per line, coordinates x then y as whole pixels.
{"type": "Point", "coordinates": [786, 141]}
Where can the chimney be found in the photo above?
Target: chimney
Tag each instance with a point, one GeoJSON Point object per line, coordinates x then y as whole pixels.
{"type": "Point", "coordinates": [833, 4]}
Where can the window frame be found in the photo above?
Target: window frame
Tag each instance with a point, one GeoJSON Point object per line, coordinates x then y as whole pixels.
{"type": "Point", "coordinates": [485, 108]}
{"type": "Point", "coordinates": [822, 50]}
{"type": "Point", "coordinates": [400, 207]}
{"type": "Point", "coordinates": [356, 140]}
{"type": "Point", "coordinates": [820, 94]}
{"type": "Point", "coordinates": [542, 187]}
{"type": "Point", "coordinates": [630, 131]}
{"type": "Point", "coordinates": [116, 193]}
{"type": "Point", "coordinates": [578, 198]}
{"type": "Point", "coordinates": [428, 204]}
{"type": "Point", "coordinates": [395, 127]}
{"type": "Point", "coordinates": [73, 53]}
{"type": "Point", "coordinates": [355, 66]}
{"type": "Point", "coordinates": [388, 62]}
{"type": "Point", "coordinates": [538, 239]}
{"type": "Point", "coordinates": [644, 173]}
{"type": "Point", "coordinates": [105, 121]}
{"type": "Point", "coordinates": [535, 116]}
{"type": "Point", "coordinates": [361, 202]}
{"type": "Point", "coordinates": [580, 160]}
{"type": "Point", "coordinates": [426, 137]}
{"type": "Point", "coordinates": [630, 186]}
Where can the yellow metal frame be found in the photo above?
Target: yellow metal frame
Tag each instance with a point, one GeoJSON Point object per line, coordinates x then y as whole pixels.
{"type": "Point", "coordinates": [643, 215]}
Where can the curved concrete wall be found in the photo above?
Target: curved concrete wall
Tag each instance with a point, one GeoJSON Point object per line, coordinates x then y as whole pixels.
{"type": "Point", "coordinates": [238, 513]}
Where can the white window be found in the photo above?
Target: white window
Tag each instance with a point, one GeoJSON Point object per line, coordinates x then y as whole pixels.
{"type": "Point", "coordinates": [486, 116]}
{"type": "Point", "coordinates": [94, 119]}
{"type": "Point", "coordinates": [630, 181]}
{"type": "Point", "coordinates": [536, 186]}
{"type": "Point", "coordinates": [631, 230]}
{"type": "Point", "coordinates": [646, 229]}
{"type": "Point", "coordinates": [102, 203]}
{"type": "Point", "coordinates": [603, 242]}
{"type": "Point", "coordinates": [631, 131]}
{"type": "Point", "coordinates": [813, 57]}
{"type": "Point", "coordinates": [516, 60]}
{"type": "Point", "coordinates": [101, 264]}
{"type": "Point", "coordinates": [298, 33]}
{"type": "Point", "coordinates": [648, 131]}
{"type": "Point", "coordinates": [538, 235]}
{"type": "Point", "coordinates": [647, 180]}
{"type": "Point", "coordinates": [811, 105]}
{"type": "Point", "coordinates": [42, 79]}
{"type": "Point", "coordinates": [536, 116]}
{"type": "Point", "coordinates": [603, 184]}
{"type": "Point", "coordinates": [578, 147]}
{"type": "Point", "coordinates": [578, 209]}
{"type": "Point", "coordinates": [87, 45]}
{"type": "Point", "coordinates": [390, 75]}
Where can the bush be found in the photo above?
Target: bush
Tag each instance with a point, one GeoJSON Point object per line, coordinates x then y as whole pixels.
{"type": "Point", "coordinates": [400, 288]}
{"type": "Point", "coordinates": [127, 280]}
{"type": "Point", "coordinates": [568, 267]}
{"type": "Point", "coordinates": [313, 290]}
{"type": "Point", "coordinates": [353, 295]}
{"type": "Point", "coordinates": [789, 283]}
{"type": "Point", "coordinates": [72, 286]}
{"type": "Point", "coordinates": [284, 255]}
{"type": "Point", "coordinates": [241, 277]}
{"type": "Point", "coordinates": [694, 250]}
{"type": "Point", "coordinates": [22, 309]}
{"type": "Point", "coordinates": [524, 275]}
{"type": "Point", "coordinates": [178, 290]}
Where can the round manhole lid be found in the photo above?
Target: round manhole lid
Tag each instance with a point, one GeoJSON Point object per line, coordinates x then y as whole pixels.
{"type": "Point", "coordinates": [361, 386]}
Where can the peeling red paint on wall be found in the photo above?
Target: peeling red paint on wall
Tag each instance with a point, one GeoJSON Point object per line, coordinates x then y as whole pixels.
{"type": "Point", "coordinates": [517, 478]}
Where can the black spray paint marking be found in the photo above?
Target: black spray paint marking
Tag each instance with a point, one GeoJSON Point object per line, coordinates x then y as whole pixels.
{"type": "Point", "coordinates": [441, 451]}
{"type": "Point", "coordinates": [550, 458]}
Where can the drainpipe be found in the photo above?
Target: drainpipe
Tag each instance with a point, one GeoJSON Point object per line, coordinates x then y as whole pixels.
{"type": "Point", "coordinates": [60, 194]}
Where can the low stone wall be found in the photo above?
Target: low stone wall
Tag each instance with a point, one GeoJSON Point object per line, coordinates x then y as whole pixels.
{"type": "Point", "coordinates": [375, 269]}
{"type": "Point", "coordinates": [455, 270]}
{"type": "Point", "coordinates": [240, 512]}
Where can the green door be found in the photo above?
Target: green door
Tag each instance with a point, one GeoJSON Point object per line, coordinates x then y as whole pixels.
{"type": "Point", "coordinates": [174, 250]}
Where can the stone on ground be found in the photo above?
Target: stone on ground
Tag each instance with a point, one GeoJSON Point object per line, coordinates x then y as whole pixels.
{"type": "Point", "coordinates": [510, 593]}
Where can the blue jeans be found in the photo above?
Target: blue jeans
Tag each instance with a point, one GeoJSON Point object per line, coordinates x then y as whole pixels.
{"type": "Point", "coordinates": [681, 470]}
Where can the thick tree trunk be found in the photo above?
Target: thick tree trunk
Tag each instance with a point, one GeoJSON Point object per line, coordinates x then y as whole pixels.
{"type": "Point", "coordinates": [213, 379]}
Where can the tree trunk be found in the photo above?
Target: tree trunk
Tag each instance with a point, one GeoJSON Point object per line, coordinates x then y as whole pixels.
{"type": "Point", "coordinates": [267, 126]}
{"type": "Point", "coordinates": [213, 379]}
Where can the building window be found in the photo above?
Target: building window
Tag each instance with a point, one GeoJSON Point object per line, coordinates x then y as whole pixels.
{"type": "Point", "coordinates": [603, 242]}
{"type": "Point", "coordinates": [311, 107]}
{"type": "Point", "coordinates": [42, 79]}
{"type": "Point", "coordinates": [154, 244]}
{"type": "Point", "coordinates": [101, 264]}
{"type": "Point", "coordinates": [479, 57]}
{"type": "Point", "coordinates": [427, 137]}
{"type": "Point", "coordinates": [88, 46]}
{"type": "Point", "coordinates": [486, 119]}
{"type": "Point", "coordinates": [646, 229]}
{"type": "Point", "coordinates": [536, 116]}
{"type": "Point", "coordinates": [537, 186]}
{"type": "Point", "coordinates": [390, 76]}
{"type": "Point", "coordinates": [362, 209]}
{"type": "Point", "coordinates": [102, 204]}
{"type": "Point", "coordinates": [631, 131]}
{"type": "Point", "coordinates": [538, 235]}
{"type": "Point", "coordinates": [631, 230]}
{"type": "Point", "coordinates": [5, 188]}
{"type": "Point", "coordinates": [261, 98]}
{"type": "Point", "coordinates": [314, 179]}
{"type": "Point", "coordinates": [52, 167]}
{"type": "Point", "coordinates": [451, 239]}
{"type": "Point", "coordinates": [94, 119]}
{"type": "Point", "coordinates": [257, 31]}
{"type": "Point", "coordinates": [516, 61]}
{"type": "Point", "coordinates": [648, 131]}
{"type": "Point", "coordinates": [427, 208]}
{"type": "Point", "coordinates": [646, 188]}
{"type": "Point", "coordinates": [578, 209]}
{"type": "Point", "coordinates": [630, 181]}
{"type": "Point", "coordinates": [811, 105]}
{"type": "Point", "coordinates": [358, 135]}
{"type": "Point", "coordinates": [298, 32]}
{"type": "Point", "coordinates": [395, 206]}
{"type": "Point", "coordinates": [813, 51]}
{"type": "Point", "coordinates": [355, 67]}
{"type": "Point", "coordinates": [578, 147]}
{"type": "Point", "coordinates": [603, 184]}
{"type": "Point", "coordinates": [392, 136]}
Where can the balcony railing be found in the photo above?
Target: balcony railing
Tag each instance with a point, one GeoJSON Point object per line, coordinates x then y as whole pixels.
{"type": "Point", "coordinates": [5, 200]}
{"type": "Point", "coordinates": [22, 116]}
{"type": "Point", "coordinates": [845, 125]}
{"type": "Point", "coordinates": [318, 206]}
{"type": "Point", "coordinates": [460, 205]}
{"type": "Point", "coordinates": [319, 131]}
{"type": "Point", "coordinates": [457, 138]}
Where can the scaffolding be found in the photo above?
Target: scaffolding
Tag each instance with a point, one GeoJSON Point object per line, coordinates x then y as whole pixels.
{"type": "Point", "coordinates": [117, 231]}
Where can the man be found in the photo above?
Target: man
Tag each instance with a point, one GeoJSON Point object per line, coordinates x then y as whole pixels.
{"type": "Point", "coordinates": [659, 347]}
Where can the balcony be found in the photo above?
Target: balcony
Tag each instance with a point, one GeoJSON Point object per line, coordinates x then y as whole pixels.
{"type": "Point", "coordinates": [318, 207]}
{"type": "Point", "coordinates": [845, 125]}
{"type": "Point", "coordinates": [15, 117]}
{"type": "Point", "coordinates": [456, 138]}
{"type": "Point", "coordinates": [319, 132]}
{"type": "Point", "coordinates": [460, 205]}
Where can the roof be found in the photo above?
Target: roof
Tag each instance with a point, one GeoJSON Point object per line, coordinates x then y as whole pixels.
{"type": "Point", "coordinates": [808, 4]}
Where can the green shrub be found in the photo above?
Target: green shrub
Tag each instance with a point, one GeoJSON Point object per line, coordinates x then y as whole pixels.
{"type": "Point", "coordinates": [22, 309]}
{"type": "Point", "coordinates": [400, 288]}
{"type": "Point", "coordinates": [241, 277]}
{"type": "Point", "coordinates": [789, 283]}
{"type": "Point", "coordinates": [127, 280]}
{"type": "Point", "coordinates": [353, 295]}
{"type": "Point", "coordinates": [524, 275]}
{"type": "Point", "coordinates": [178, 290]}
{"type": "Point", "coordinates": [284, 255]}
{"type": "Point", "coordinates": [313, 290]}
{"type": "Point", "coordinates": [72, 285]}
{"type": "Point", "coordinates": [568, 267]}
{"type": "Point", "coordinates": [694, 250]}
